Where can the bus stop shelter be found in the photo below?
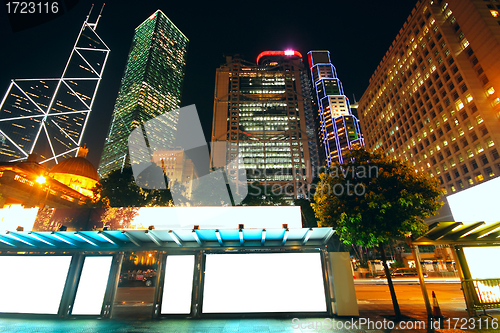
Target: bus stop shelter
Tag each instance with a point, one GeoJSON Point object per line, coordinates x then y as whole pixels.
{"type": "Point", "coordinates": [476, 249]}
{"type": "Point", "coordinates": [201, 272]}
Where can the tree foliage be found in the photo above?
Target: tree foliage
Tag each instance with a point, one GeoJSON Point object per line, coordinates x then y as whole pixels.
{"type": "Point", "coordinates": [371, 198]}
{"type": "Point", "coordinates": [119, 189]}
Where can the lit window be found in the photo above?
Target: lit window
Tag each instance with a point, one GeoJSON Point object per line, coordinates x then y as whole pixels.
{"type": "Point", "coordinates": [494, 13]}
{"type": "Point", "coordinates": [490, 91]}
{"type": "Point", "coordinates": [489, 142]}
{"type": "Point", "coordinates": [479, 148]}
{"type": "Point", "coordinates": [469, 153]}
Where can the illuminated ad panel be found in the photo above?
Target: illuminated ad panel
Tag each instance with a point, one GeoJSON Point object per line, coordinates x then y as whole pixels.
{"type": "Point", "coordinates": [32, 284]}
{"type": "Point", "coordinates": [92, 286]}
{"type": "Point", "coordinates": [217, 217]}
{"type": "Point", "coordinates": [478, 203]}
{"type": "Point", "coordinates": [480, 263]}
{"type": "Point", "coordinates": [482, 267]}
{"type": "Point", "coordinates": [178, 285]}
{"type": "Point", "coordinates": [17, 216]}
{"type": "Point", "coordinates": [263, 282]}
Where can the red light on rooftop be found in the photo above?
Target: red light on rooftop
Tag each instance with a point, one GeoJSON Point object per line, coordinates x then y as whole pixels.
{"type": "Point", "coordinates": [152, 16]}
{"type": "Point", "coordinates": [288, 53]}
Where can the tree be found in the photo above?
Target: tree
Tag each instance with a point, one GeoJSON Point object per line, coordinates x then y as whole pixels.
{"type": "Point", "coordinates": [119, 189]}
{"type": "Point", "coordinates": [371, 199]}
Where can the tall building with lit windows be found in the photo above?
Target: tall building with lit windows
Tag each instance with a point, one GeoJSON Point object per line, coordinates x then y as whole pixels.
{"type": "Point", "coordinates": [435, 97]}
{"type": "Point", "coordinates": [151, 86]}
{"type": "Point", "coordinates": [264, 123]}
{"type": "Point", "coordinates": [48, 116]}
{"type": "Point", "coordinates": [339, 128]}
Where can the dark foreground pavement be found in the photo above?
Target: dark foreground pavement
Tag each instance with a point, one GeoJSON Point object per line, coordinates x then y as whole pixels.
{"type": "Point", "coordinates": [376, 317]}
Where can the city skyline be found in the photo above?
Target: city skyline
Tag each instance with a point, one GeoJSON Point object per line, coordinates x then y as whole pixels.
{"type": "Point", "coordinates": [205, 28]}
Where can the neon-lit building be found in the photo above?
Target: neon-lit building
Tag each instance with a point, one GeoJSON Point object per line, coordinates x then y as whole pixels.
{"type": "Point", "coordinates": [339, 128]}
{"type": "Point", "coordinates": [151, 86]}
{"type": "Point", "coordinates": [263, 121]}
{"type": "Point", "coordinates": [48, 116]}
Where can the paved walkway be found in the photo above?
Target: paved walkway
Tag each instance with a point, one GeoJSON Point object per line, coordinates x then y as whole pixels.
{"type": "Point", "coordinates": [372, 315]}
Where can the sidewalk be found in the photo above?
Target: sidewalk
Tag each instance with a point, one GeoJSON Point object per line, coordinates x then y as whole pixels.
{"type": "Point", "coordinates": [371, 313]}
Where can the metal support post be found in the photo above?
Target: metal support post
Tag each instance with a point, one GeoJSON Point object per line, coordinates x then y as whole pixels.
{"type": "Point", "coordinates": [69, 292]}
{"type": "Point", "coordinates": [113, 280]}
{"type": "Point", "coordinates": [159, 284]}
{"type": "Point", "coordinates": [416, 255]}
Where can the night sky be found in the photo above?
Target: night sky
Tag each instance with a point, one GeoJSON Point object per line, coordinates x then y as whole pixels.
{"type": "Point", "coordinates": [357, 34]}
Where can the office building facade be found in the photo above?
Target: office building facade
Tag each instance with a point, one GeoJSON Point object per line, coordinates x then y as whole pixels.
{"type": "Point", "coordinates": [434, 100]}
{"type": "Point", "coordinates": [339, 128]}
{"type": "Point", "coordinates": [151, 86]}
{"type": "Point", "coordinates": [263, 122]}
{"type": "Point", "coordinates": [48, 116]}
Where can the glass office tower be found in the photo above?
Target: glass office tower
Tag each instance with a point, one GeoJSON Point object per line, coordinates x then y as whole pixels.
{"type": "Point", "coordinates": [339, 129]}
{"type": "Point", "coordinates": [263, 122]}
{"type": "Point", "coordinates": [48, 116]}
{"type": "Point", "coordinates": [151, 86]}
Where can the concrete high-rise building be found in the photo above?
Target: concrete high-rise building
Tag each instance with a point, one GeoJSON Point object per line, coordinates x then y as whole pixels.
{"type": "Point", "coordinates": [264, 123]}
{"type": "Point", "coordinates": [435, 97]}
{"type": "Point", "coordinates": [48, 116]}
{"type": "Point", "coordinates": [151, 86]}
{"type": "Point", "coordinates": [339, 128]}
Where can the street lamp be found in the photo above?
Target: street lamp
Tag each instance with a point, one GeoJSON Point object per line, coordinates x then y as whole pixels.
{"type": "Point", "coordinates": [42, 180]}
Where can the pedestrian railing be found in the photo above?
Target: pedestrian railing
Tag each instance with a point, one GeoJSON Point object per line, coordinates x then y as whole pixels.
{"type": "Point", "coordinates": [481, 294]}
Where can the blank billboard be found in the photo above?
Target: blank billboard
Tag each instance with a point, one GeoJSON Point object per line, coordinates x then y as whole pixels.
{"type": "Point", "coordinates": [32, 284]}
{"type": "Point", "coordinates": [263, 282]}
{"type": "Point", "coordinates": [92, 286]}
{"type": "Point", "coordinates": [178, 286]}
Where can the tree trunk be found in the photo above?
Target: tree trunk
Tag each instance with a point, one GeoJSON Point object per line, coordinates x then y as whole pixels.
{"type": "Point", "coordinates": [395, 304]}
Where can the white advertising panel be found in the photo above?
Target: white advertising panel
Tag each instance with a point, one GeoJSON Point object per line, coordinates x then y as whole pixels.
{"type": "Point", "coordinates": [92, 285]}
{"type": "Point", "coordinates": [32, 284]}
{"type": "Point", "coordinates": [264, 282]}
{"type": "Point", "coordinates": [478, 203]}
{"type": "Point", "coordinates": [217, 217]}
{"type": "Point", "coordinates": [178, 286]}
{"type": "Point", "coordinates": [481, 265]}
{"type": "Point", "coordinates": [17, 216]}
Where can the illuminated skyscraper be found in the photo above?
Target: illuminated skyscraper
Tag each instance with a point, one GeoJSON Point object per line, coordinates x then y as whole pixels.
{"type": "Point", "coordinates": [263, 120]}
{"type": "Point", "coordinates": [151, 86]}
{"type": "Point", "coordinates": [48, 116]}
{"type": "Point", "coordinates": [339, 129]}
{"type": "Point", "coordinates": [434, 100]}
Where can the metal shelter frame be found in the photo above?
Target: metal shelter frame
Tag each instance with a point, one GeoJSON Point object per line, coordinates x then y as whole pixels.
{"type": "Point", "coordinates": [458, 235]}
{"type": "Point", "coordinates": [198, 242]}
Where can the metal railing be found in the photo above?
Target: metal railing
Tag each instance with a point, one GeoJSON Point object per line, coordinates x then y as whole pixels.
{"type": "Point", "coordinates": [481, 294]}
